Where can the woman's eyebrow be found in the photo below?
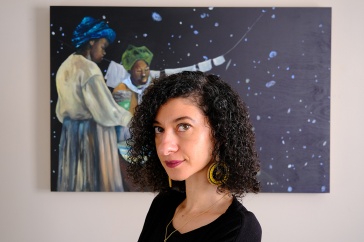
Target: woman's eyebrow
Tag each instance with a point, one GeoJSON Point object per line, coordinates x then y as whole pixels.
{"type": "Point", "coordinates": [184, 117]}
{"type": "Point", "coordinates": [177, 119]}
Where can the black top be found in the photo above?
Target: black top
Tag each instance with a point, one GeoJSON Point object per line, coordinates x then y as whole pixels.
{"type": "Point", "coordinates": [237, 224]}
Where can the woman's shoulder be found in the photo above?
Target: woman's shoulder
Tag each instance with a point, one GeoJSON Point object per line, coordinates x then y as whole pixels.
{"type": "Point", "coordinates": [120, 87]}
{"type": "Point", "coordinates": [169, 197]}
{"type": "Point", "coordinates": [165, 201]}
{"type": "Point", "coordinates": [82, 64]}
{"type": "Point", "coordinates": [237, 224]}
{"type": "Point", "coordinates": [246, 221]}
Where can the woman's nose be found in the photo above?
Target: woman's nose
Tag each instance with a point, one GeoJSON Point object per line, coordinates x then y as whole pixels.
{"type": "Point", "coordinates": [168, 144]}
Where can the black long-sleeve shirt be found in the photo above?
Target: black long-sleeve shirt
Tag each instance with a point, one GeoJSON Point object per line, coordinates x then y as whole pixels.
{"type": "Point", "coordinates": [237, 224]}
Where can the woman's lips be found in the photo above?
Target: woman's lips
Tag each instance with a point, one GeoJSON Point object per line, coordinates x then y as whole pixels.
{"type": "Point", "coordinates": [173, 163]}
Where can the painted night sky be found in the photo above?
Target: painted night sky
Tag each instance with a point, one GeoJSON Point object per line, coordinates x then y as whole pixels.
{"type": "Point", "coordinates": [277, 59]}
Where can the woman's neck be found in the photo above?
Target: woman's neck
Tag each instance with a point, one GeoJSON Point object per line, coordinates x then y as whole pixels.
{"type": "Point", "coordinates": [200, 195]}
{"type": "Point", "coordinates": [84, 53]}
{"type": "Point", "coordinates": [203, 204]}
{"type": "Point", "coordinates": [87, 55]}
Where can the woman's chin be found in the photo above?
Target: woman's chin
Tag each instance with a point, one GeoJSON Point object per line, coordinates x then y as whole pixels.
{"type": "Point", "coordinates": [141, 83]}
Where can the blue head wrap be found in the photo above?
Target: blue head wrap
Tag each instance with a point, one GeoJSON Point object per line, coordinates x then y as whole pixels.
{"type": "Point", "coordinates": [91, 28]}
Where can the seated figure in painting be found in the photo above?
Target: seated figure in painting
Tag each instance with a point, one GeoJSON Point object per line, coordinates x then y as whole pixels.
{"type": "Point", "coordinates": [136, 60]}
{"type": "Point", "coordinates": [128, 94]}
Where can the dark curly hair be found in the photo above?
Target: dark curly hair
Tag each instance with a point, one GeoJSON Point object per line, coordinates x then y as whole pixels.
{"type": "Point", "coordinates": [233, 138]}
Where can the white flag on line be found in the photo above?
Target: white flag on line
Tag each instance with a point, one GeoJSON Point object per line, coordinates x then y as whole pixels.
{"type": "Point", "coordinates": [205, 65]}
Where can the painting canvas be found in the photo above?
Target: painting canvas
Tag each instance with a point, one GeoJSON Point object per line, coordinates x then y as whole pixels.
{"type": "Point", "coordinates": [277, 59]}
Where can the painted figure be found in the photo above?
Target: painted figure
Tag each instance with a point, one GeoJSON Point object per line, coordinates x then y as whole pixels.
{"type": "Point", "coordinates": [136, 60]}
{"type": "Point", "coordinates": [88, 157]}
{"type": "Point", "coordinates": [128, 94]}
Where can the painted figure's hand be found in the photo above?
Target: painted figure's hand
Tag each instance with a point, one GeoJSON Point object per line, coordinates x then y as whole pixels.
{"type": "Point", "coordinates": [123, 97]}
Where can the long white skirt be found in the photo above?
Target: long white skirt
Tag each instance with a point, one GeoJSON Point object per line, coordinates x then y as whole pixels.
{"type": "Point", "coordinates": [88, 157]}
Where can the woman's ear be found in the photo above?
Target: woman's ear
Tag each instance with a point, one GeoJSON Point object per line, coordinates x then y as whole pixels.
{"type": "Point", "coordinates": [91, 42]}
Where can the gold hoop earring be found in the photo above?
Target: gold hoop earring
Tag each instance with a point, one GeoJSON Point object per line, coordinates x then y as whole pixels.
{"type": "Point", "coordinates": [169, 182]}
{"type": "Point", "coordinates": [218, 173]}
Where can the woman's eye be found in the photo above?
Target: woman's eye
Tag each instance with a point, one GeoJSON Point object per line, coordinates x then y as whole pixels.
{"type": "Point", "coordinates": [158, 130]}
{"type": "Point", "coordinates": [183, 127]}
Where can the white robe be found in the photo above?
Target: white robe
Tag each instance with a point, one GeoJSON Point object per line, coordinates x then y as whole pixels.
{"type": "Point", "coordinates": [88, 158]}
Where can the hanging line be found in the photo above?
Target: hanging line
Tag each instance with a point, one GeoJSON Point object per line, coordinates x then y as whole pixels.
{"type": "Point", "coordinates": [250, 28]}
{"type": "Point", "coordinates": [237, 43]}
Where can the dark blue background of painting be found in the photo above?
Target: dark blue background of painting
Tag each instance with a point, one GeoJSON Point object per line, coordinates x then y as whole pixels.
{"type": "Point", "coordinates": [281, 69]}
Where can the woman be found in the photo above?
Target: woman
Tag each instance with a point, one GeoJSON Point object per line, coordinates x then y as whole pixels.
{"type": "Point", "coordinates": [88, 158]}
{"type": "Point", "coordinates": [192, 141]}
{"type": "Point", "coordinates": [128, 94]}
{"type": "Point", "coordinates": [136, 60]}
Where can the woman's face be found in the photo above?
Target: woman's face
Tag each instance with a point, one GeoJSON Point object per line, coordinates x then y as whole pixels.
{"type": "Point", "coordinates": [139, 73]}
{"type": "Point", "coordinates": [183, 139]}
{"type": "Point", "coordinates": [97, 51]}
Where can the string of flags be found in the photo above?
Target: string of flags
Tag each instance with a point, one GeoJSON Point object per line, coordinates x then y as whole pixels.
{"type": "Point", "coordinates": [116, 72]}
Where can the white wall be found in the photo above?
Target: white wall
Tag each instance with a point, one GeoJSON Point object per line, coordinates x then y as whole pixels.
{"type": "Point", "coordinates": [30, 212]}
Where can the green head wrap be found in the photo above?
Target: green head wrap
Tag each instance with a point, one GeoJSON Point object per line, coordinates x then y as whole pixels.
{"type": "Point", "coordinates": [132, 54]}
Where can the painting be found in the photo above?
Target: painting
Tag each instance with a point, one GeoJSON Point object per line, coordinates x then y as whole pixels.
{"type": "Point", "coordinates": [277, 58]}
